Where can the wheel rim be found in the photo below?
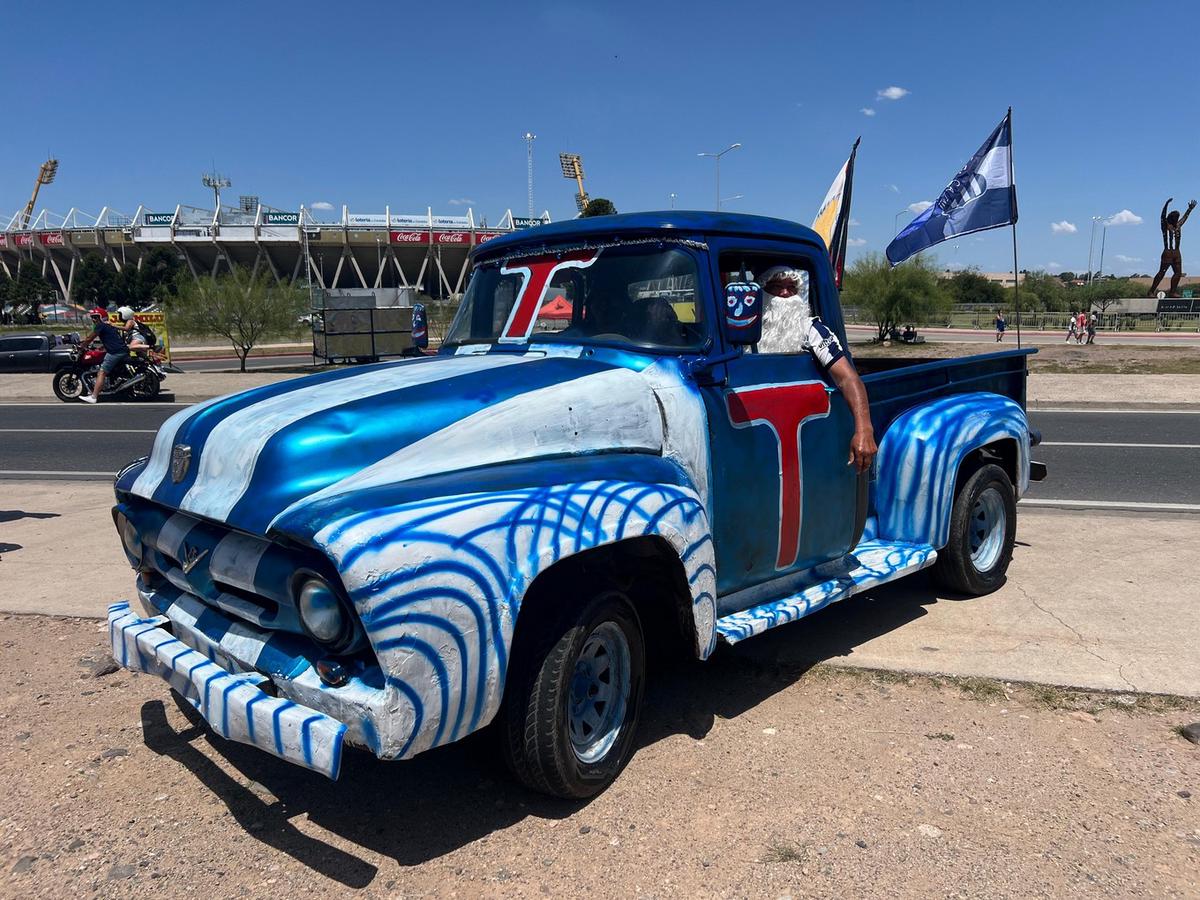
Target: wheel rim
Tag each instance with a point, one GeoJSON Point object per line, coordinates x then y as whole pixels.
{"type": "Point", "coordinates": [988, 524]}
{"type": "Point", "coordinates": [71, 385]}
{"type": "Point", "coordinates": [599, 695]}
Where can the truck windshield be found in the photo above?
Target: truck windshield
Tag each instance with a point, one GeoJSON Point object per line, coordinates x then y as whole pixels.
{"type": "Point", "coordinates": [644, 295]}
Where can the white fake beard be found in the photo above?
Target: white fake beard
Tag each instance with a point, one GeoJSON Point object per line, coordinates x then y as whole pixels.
{"type": "Point", "coordinates": [784, 321]}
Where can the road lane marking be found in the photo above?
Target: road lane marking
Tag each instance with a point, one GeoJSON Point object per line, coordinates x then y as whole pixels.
{"type": "Point", "coordinates": [1116, 444]}
{"type": "Point", "coordinates": [78, 431]}
{"type": "Point", "coordinates": [1112, 504]}
{"type": "Point", "coordinates": [1038, 410]}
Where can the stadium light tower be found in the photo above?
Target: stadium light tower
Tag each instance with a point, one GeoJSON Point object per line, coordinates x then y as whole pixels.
{"type": "Point", "coordinates": [530, 137]}
{"type": "Point", "coordinates": [572, 168]}
{"type": "Point", "coordinates": [216, 182]}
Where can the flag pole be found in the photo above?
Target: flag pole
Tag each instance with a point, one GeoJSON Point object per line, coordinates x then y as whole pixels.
{"type": "Point", "coordinates": [1016, 272]}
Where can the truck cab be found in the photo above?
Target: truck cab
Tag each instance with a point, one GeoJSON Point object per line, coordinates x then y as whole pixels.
{"type": "Point", "coordinates": [616, 450]}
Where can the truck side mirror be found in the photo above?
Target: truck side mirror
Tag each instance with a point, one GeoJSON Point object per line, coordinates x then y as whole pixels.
{"type": "Point", "coordinates": [743, 313]}
{"type": "Point", "coordinates": [420, 327]}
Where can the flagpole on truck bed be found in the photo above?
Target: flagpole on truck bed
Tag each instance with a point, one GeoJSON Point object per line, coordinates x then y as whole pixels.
{"type": "Point", "coordinates": [1012, 186]}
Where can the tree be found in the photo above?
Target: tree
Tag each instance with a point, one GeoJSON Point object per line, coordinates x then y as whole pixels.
{"type": "Point", "coordinates": [242, 311]}
{"type": "Point", "coordinates": [1066, 277]}
{"type": "Point", "coordinates": [598, 206]}
{"type": "Point", "coordinates": [968, 286]}
{"type": "Point", "coordinates": [890, 297]}
{"type": "Point", "coordinates": [1039, 292]}
{"type": "Point", "coordinates": [1102, 294]}
{"type": "Point", "coordinates": [96, 283]}
{"type": "Point", "coordinates": [154, 281]}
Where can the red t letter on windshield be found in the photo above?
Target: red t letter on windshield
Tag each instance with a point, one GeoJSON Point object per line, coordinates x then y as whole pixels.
{"type": "Point", "coordinates": [783, 408]}
{"type": "Point", "coordinates": [536, 272]}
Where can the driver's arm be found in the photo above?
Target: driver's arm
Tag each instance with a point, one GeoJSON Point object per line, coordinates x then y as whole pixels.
{"type": "Point", "coordinates": [862, 444]}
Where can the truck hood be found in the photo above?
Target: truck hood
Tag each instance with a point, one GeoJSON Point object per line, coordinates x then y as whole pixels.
{"type": "Point", "coordinates": [247, 458]}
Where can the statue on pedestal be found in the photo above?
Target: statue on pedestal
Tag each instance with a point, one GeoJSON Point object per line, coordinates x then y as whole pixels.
{"type": "Point", "coordinates": [1172, 228]}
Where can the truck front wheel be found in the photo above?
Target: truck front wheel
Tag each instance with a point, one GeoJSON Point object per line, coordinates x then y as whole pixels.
{"type": "Point", "coordinates": [983, 528]}
{"type": "Point", "coordinates": [574, 699]}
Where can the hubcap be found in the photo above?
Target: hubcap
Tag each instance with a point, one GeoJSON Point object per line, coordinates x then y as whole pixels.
{"type": "Point", "coordinates": [599, 693]}
{"type": "Point", "coordinates": [71, 385]}
{"type": "Point", "coordinates": [987, 529]}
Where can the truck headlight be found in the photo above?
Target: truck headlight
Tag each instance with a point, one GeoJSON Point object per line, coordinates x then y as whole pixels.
{"type": "Point", "coordinates": [130, 540]}
{"type": "Point", "coordinates": [323, 614]}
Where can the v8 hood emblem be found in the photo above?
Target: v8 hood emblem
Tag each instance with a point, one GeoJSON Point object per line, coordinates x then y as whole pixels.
{"type": "Point", "coordinates": [191, 556]}
{"type": "Point", "coordinates": [181, 460]}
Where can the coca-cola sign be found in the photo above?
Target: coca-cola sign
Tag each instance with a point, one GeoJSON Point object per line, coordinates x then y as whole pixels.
{"type": "Point", "coordinates": [482, 236]}
{"type": "Point", "coordinates": [51, 238]}
{"type": "Point", "coordinates": [410, 237]}
{"type": "Point", "coordinates": [23, 240]}
{"type": "Point", "coordinates": [3, 240]}
{"type": "Point", "coordinates": [452, 237]}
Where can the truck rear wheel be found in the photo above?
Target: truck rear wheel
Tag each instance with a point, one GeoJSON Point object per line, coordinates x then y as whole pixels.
{"type": "Point", "coordinates": [574, 699]}
{"type": "Point", "coordinates": [983, 528]}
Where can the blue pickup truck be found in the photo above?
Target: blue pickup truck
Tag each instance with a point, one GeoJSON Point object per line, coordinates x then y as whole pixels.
{"type": "Point", "coordinates": [620, 448]}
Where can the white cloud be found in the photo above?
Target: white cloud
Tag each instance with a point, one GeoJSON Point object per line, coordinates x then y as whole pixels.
{"type": "Point", "coordinates": [1125, 217]}
{"type": "Point", "coordinates": [1063, 227]}
{"type": "Point", "coordinates": [919, 207]}
{"type": "Point", "coordinates": [892, 93]}
{"type": "Point", "coordinates": [322, 204]}
{"type": "Point", "coordinates": [462, 201]}
{"type": "Point", "coordinates": [893, 189]}
{"type": "Point", "coordinates": [1053, 267]}
{"type": "Point", "coordinates": [1121, 257]}
{"type": "Point", "coordinates": [856, 242]}
{"type": "Point", "coordinates": [854, 221]}
{"type": "Point", "coordinates": [867, 111]}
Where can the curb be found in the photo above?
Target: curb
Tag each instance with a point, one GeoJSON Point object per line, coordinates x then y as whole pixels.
{"type": "Point", "coordinates": [1111, 406]}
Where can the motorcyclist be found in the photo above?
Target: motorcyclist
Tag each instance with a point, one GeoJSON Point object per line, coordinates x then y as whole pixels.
{"type": "Point", "coordinates": [115, 350]}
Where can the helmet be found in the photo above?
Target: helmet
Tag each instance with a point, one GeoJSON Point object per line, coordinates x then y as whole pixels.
{"type": "Point", "coordinates": [126, 313]}
{"type": "Point", "coordinates": [99, 312]}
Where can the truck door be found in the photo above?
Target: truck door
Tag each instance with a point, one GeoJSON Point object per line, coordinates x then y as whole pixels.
{"type": "Point", "coordinates": [783, 498]}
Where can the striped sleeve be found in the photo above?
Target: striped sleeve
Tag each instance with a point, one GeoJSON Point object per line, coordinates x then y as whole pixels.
{"type": "Point", "coordinates": [822, 344]}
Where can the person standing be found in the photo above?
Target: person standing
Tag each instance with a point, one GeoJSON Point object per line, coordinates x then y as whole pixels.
{"type": "Point", "coordinates": [1071, 325]}
{"type": "Point", "coordinates": [1091, 327]}
{"type": "Point", "coordinates": [1000, 326]}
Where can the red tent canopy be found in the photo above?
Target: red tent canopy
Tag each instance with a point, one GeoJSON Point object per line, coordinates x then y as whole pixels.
{"type": "Point", "coordinates": [558, 308]}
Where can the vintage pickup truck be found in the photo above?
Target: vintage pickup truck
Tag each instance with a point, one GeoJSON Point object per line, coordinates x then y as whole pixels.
{"type": "Point", "coordinates": [596, 466]}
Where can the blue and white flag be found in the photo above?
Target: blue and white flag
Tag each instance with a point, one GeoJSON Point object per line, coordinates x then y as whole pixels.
{"type": "Point", "coordinates": [982, 195]}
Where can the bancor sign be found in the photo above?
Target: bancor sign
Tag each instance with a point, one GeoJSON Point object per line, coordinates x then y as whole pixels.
{"type": "Point", "coordinates": [157, 218]}
{"type": "Point", "coordinates": [280, 218]}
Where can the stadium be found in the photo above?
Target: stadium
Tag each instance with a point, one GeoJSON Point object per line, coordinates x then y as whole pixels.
{"type": "Point", "coordinates": [424, 252]}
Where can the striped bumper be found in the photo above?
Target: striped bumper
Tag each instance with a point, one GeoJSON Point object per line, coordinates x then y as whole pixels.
{"type": "Point", "coordinates": [232, 704]}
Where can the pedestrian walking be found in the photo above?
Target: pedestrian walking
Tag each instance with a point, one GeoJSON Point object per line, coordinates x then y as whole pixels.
{"type": "Point", "coordinates": [1091, 328]}
{"type": "Point", "coordinates": [1080, 326]}
{"type": "Point", "coordinates": [1072, 324]}
{"type": "Point", "coordinates": [1000, 326]}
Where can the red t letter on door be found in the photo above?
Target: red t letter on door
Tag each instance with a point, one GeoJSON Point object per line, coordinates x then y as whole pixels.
{"type": "Point", "coordinates": [783, 408]}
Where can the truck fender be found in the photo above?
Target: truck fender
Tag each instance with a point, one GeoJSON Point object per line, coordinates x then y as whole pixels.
{"type": "Point", "coordinates": [438, 586]}
{"type": "Point", "coordinates": [920, 456]}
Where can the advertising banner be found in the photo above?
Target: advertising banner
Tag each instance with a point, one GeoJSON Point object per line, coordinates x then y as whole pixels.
{"type": "Point", "coordinates": [452, 237]}
{"type": "Point", "coordinates": [526, 221]}
{"type": "Point", "coordinates": [23, 240]}
{"type": "Point", "coordinates": [481, 236]}
{"type": "Point", "coordinates": [280, 218]}
{"type": "Point", "coordinates": [410, 221]}
{"type": "Point", "coordinates": [451, 222]}
{"type": "Point", "coordinates": [370, 219]}
{"type": "Point", "coordinates": [410, 237]}
{"type": "Point", "coordinates": [51, 238]}
{"type": "Point", "coordinates": [3, 240]}
{"type": "Point", "coordinates": [157, 218]}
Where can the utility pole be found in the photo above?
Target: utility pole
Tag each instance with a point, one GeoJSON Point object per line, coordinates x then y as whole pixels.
{"type": "Point", "coordinates": [716, 157]}
{"type": "Point", "coordinates": [216, 182]}
{"type": "Point", "coordinates": [530, 137]}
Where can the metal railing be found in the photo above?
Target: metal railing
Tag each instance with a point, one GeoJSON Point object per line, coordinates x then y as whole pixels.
{"type": "Point", "coordinates": [984, 320]}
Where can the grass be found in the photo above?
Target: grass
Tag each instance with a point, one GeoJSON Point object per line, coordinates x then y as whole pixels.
{"type": "Point", "coordinates": [783, 852]}
{"type": "Point", "coordinates": [1058, 359]}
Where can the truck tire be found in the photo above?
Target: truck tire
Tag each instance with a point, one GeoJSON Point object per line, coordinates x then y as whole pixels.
{"type": "Point", "coordinates": [983, 528]}
{"type": "Point", "coordinates": [574, 698]}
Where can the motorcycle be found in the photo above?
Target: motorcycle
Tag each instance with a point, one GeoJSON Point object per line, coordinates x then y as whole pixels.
{"type": "Point", "coordinates": [139, 377]}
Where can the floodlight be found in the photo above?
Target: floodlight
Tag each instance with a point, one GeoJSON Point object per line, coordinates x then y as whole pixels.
{"type": "Point", "coordinates": [572, 165]}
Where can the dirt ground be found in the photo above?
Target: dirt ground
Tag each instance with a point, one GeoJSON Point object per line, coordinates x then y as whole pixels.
{"type": "Point", "coordinates": [1102, 358]}
{"type": "Point", "coordinates": [754, 777]}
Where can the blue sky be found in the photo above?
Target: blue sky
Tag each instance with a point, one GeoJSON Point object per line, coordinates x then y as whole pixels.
{"type": "Point", "coordinates": [317, 102]}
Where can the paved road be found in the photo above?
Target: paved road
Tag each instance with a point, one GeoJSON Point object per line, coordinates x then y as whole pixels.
{"type": "Point", "coordinates": [964, 335]}
{"type": "Point", "coordinates": [1103, 458]}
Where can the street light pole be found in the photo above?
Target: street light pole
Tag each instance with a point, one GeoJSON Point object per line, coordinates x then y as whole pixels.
{"type": "Point", "coordinates": [1103, 235]}
{"type": "Point", "coordinates": [896, 220]}
{"type": "Point", "coordinates": [672, 199]}
{"type": "Point", "coordinates": [1092, 246]}
{"type": "Point", "coordinates": [717, 157]}
{"type": "Point", "coordinates": [731, 199]}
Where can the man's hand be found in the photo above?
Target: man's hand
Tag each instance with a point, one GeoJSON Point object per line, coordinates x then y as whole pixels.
{"type": "Point", "coordinates": [862, 450]}
{"type": "Point", "coordinates": [1191, 204]}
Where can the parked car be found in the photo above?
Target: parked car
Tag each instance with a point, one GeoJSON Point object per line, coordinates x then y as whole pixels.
{"type": "Point", "coordinates": [35, 352]}
{"type": "Point", "coordinates": [396, 556]}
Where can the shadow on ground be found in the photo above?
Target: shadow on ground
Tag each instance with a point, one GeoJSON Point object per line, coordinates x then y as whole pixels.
{"type": "Point", "coordinates": [421, 809]}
